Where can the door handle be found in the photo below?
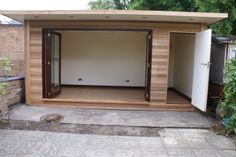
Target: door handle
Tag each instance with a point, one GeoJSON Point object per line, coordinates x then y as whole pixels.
{"type": "Point", "coordinates": [206, 64]}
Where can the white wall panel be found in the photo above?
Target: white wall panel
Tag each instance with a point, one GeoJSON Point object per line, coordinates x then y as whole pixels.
{"type": "Point", "coordinates": [103, 58]}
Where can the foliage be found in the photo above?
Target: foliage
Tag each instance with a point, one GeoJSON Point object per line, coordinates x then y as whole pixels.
{"type": "Point", "coordinates": [3, 88]}
{"type": "Point", "coordinates": [5, 64]}
{"type": "Point", "coordinates": [224, 27]}
{"type": "Point", "coordinates": [109, 4]}
{"type": "Point", "coordinates": [228, 109]}
{"type": "Point", "coordinates": [171, 5]}
{"type": "Point", "coordinates": [5, 67]}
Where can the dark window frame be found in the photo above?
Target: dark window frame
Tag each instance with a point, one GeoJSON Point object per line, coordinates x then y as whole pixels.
{"type": "Point", "coordinates": [148, 53]}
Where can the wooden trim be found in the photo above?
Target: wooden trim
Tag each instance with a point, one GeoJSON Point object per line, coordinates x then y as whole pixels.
{"type": "Point", "coordinates": [123, 105]}
{"type": "Point", "coordinates": [97, 101]}
{"type": "Point", "coordinates": [27, 62]}
{"type": "Point", "coordinates": [168, 63]}
{"type": "Point", "coordinates": [203, 26]}
{"type": "Point", "coordinates": [185, 32]}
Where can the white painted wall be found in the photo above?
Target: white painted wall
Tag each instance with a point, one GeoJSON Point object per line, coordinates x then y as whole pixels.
{"type": "Point", "coordinates": [103, 58]}
{"type": "Point", "coordinates": [181, 63]}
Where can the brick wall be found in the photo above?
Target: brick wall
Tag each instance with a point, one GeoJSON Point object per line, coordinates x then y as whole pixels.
{"type": "Point", "coordinates": [12, 46]}
{"type": "Point", "coordinates": [16, 93]}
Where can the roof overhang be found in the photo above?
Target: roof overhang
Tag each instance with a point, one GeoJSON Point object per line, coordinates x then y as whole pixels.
{"type": "Point", "coordinates": [115, 15]}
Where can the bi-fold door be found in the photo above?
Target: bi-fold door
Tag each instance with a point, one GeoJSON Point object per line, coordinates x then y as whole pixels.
{"type": "Point", "coordinates": [52, 63]}
{"type": "Point", "coordinates": [148, 66]}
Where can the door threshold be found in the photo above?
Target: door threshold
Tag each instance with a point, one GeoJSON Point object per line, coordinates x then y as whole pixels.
{"type": "Point", "coordinates": [96, 101]}
{"type": "Point", "coordinates": [120, 105]}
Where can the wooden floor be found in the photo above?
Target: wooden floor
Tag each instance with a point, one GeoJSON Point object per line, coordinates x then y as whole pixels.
{"type": "Point", "coordinates": [176, 98]}
{"type": "Point", "coordinates": [115, 98]}
{"type": "Point", "coordinates": [115, 94]}
{"type": "Point", "coordinates": [102, 93]}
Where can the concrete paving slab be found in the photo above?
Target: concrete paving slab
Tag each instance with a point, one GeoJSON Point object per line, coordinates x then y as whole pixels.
{"type": "Point", "coordinates": [80, 145]}
{"type": "Point", "coordinates": [208, 153]}
{"type": "Point", "coordinates": [114, 117]}
{"type": "Point", "coordinates": [180, 152]}
{"type": "Point", "coordinates": [51, 144]}
{"type": "Point", "coordinates": [176, 142]}
{"type": "Point", "coordinates": [221, 142]}
{"type": "Point", "coordinates": [227, 153]}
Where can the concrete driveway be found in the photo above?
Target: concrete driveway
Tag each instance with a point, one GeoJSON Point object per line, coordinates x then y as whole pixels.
{"type": "Point", "coordinates": [114, 117]}
{"type": "Point", "coordinates": [171, 143]}
{"type": "Point", "coordinates": [174, 134]}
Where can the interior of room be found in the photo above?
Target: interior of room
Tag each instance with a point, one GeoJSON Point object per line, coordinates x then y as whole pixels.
{"type": "Point", "coordinates": [180, 75]}
{"type": "Point", "coordinates": [103, 65]}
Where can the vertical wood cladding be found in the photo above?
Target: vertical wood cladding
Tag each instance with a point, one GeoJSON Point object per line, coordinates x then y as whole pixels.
{"type": "Point", "coordinates": [160, 51]}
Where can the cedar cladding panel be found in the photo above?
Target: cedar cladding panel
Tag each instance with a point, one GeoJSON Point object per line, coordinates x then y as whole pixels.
{"type": "Point", "coordinates": [160, 51]}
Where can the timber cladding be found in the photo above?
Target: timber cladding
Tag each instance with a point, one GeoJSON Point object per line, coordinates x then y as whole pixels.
{"type": "Point", "coordinates": [160, 52]}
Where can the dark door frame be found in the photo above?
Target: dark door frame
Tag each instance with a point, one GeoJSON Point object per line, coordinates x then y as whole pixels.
{"type": "Point", "coordinates": [148, 53]}
{"type": "Point", "coordinates": [148, 67]}
{"type": "Point", "coordinates": [48, 90]}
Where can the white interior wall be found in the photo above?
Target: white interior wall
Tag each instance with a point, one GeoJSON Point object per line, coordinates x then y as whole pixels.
{"type": "Point", "coordinates": [181, 63]}
{"type": "Point", "coordinates": [103, 58]}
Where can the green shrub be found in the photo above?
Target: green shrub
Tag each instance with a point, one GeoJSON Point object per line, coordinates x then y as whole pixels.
{"type": "Point", "coordinates": [5, 67]}
{"type": "Point", "coordinates": [3, 88]}
{"type": "Point", "coordinates": [228, 105]}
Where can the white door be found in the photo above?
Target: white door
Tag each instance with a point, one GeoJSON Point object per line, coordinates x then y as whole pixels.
{"type": "Point", "coordinates": [201, 69]}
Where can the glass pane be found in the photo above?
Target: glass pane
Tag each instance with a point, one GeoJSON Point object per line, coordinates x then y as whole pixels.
{"type": "Point", "coordinates": [56, 46]}
{"type": "Point", "coordinates": [55, 62]}
{"type": "Point", "coordinates": [56, 73]}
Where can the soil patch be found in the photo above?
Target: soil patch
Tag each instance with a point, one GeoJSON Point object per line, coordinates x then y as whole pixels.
{"type": "Point", "coordinates": [81, 128]}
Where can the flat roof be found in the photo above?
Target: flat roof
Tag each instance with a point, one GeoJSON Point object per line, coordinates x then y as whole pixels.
{"type": "Point", "coordinates": [115, 15]}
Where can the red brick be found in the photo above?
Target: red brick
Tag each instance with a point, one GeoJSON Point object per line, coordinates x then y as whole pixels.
{"type": "Point", "coordinates": [12, 46]}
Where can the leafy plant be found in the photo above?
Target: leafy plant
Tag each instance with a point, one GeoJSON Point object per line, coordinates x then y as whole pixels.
{"type": "Point", "coordinates": [109, 4]}
{"type": "Point", "coordinates": [5, 64]}
{"type": "Point", "coordinates": [5, 67]}
{"type": "Point", "coordinates": [228, 105]}
{"type": "Point", "coordinates": [3, 88]}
